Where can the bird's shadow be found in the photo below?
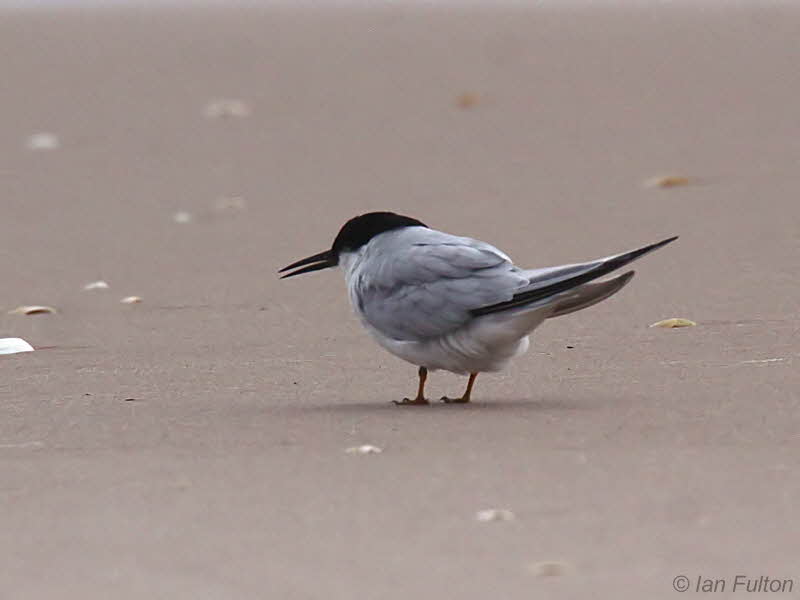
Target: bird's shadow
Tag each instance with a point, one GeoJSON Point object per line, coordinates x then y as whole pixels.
{"type": "Point", "coordinates": [486, 405]}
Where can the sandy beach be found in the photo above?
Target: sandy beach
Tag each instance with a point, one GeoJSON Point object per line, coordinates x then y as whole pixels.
{"type": "Point", "coordinates": [193, 445]}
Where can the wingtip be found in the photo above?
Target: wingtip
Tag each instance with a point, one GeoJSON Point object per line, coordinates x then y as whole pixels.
{"type": "Point", "coordinates": [669, 240]}
{"type": "Point", "coordinates": [623, 259]}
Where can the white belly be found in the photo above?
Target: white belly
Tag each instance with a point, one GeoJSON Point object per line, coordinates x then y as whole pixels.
{"type": "Point", "coordinates": [485, 345]}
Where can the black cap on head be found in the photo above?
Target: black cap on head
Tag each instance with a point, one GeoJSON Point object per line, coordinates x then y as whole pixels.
{"type": "Point", "coordinates": [360, 230]}
{"type": "Point", "coordinates": [353, 234]}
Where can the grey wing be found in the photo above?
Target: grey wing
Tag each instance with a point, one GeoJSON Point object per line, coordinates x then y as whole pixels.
{"type": "Point", "coordinates": [428, 288]}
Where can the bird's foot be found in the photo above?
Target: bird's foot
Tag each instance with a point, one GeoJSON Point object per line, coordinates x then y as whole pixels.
{"type": "Point", "coordinates": [447, 400]}
{"type": "Point", "coordinates": [409, 402]}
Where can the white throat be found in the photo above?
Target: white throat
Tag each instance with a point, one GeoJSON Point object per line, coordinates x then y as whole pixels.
{"type": "Point", "coordinates": [349, 262]}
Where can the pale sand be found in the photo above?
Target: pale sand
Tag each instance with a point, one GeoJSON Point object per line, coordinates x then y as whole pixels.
{"type": "Point", "coordinates": [635, 456]}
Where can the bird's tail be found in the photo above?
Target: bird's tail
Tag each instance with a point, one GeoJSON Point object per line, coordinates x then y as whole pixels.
{"type": "Point", "coordinates": [572, 283]}
{"type": "Point", "coordinates": [589, 294]}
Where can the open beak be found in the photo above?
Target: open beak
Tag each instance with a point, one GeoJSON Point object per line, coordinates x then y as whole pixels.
{"type": "Point", "coordinates": [323, 260]}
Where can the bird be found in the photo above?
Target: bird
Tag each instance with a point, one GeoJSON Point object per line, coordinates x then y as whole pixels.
{"type": "Point", "coordinates": [446, 302]}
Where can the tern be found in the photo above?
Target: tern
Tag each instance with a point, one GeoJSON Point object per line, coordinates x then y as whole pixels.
{"type": "Point", "coordinates": [440, 301]}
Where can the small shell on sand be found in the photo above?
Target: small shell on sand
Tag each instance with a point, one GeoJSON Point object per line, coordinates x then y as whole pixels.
{"type": "Point", "coordinates": [96, 285]}
{"type": "Point", "coordinates": [674, 322]}
{"type": "Point", "coordinates": [182, 217]}
{"type": "Point", "coordinates": [43, 141]}
{"type": "Point", "coordinates": [667, 181]}
{"type": "Point", "coordinates": [467, 100]}
{"type": "Point", "coordinates": [549, 568]}
{"type": "Point", "coordinates": [14, 345]}
{"type": "Point", "coordinates": [131, 300]}
{"type": "Point", "coordinates": [226, 107]}
{"type": "Point", "coordinates": [32, 310]}
{"type": "Point", "coordinates": [365, 449]}
{"type": "Point", "coordinates": [494, 514]}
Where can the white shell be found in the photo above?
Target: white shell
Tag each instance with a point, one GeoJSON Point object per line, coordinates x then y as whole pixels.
{"type": "Point", "coordinates": [131, 300]}
{"type": "Point", "coordinates": [43, 141]}
{"type": "Point", "coordinates": [14, 345]}
{"type": "Point", "coordinates": [494, 514]}
{"type": "Point", "coordinates": [674, 322]}
{"type": "Point", "coordinates": [182, 217]}
{"type": "Point", "coordinates": [365, 449]}
{"type": "Point", "coordinates": [96, 285]}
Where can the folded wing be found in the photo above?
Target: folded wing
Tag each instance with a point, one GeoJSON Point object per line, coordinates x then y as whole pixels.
{"type": "Point", "coordinates": [426, 283]}
{"type": "Point", "coordinates": [427, 287]}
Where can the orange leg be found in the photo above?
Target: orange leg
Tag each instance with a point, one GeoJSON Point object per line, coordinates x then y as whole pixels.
{"type": "Point", "coordinates": [465, 398]}
{"type": "Point", "coordinates": [420, 399]}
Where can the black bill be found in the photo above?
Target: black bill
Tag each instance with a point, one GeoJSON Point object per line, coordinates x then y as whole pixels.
{"type": "Point", "coordinates": [323, 260]}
